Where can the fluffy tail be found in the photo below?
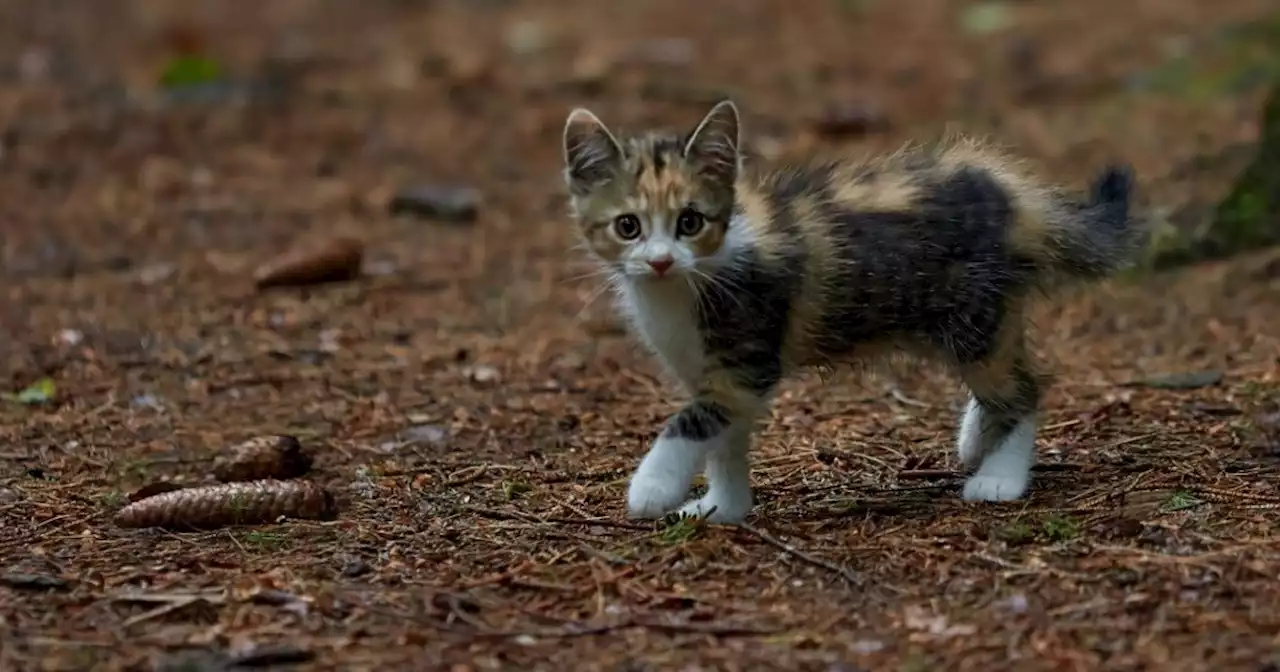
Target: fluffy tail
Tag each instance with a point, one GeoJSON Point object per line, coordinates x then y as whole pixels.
{"type": "Point", "coordinates": [1098, 237]}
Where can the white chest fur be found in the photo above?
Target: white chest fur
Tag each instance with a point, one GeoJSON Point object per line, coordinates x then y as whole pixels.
{"type": "Point", "coordinates": [663, 314]}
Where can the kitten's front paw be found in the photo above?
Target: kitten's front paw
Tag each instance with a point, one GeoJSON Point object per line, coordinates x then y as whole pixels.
{"type": "Point", "coordinates": [653, 495]}
{"type": "Point", "coordinates": [663, 478]}
{"type": "Point", "coordinates": [720, 508]}
{"type": "Point", "coordinates": [995, 488]}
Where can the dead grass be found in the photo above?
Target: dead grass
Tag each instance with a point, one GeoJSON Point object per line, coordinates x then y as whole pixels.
{"type": "Point", "coordinates": [482, 523]}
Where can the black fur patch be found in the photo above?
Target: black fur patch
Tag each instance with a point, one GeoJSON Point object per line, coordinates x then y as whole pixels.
{"type": "Point", "coordinates": [940, 275]}
{"type": "Point", "coordinates": [699, 421]}
{"type": "Point", "coordinates": [743, 315]}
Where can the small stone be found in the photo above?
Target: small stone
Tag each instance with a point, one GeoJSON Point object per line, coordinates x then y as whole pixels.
{"type": "Point", "coordinates": [1184, 381]}
{"type": "Point", "coordinates": [34, 65]}
{"type": "Point", "coordinates": [24, 581]}
{"type": "Point", "coordinates": [155, 273]}
{"type": "Point", "coordinates": [1215, 410]}
{"type": "Point", "coordinates": [70, 337]}
{"type": "Point", "coordinates": [527, 37]}
{"type": "Point", "coordinates": [667, 51]}
{"type": "Point", "coordinates": [867, 646]}
{"type": "Point", "coordinates": [1016, 603]}
{"type": "Point", "coordinates": [433, 434]}
{"type": "Point", "coordinates": [354, 568]}
{"type": "Point", "coordinates": [330, 340]}
{"type": "Point", "coordinates": [448, 203]}
{"type": "Point", "coordinates": [148, 401]}
{"type": "Point", "coordinates": [383, 267]}
{"type": "Point", "coordinates": [483, 374]}
{"type": "Point", "coordinates": [270, 655]}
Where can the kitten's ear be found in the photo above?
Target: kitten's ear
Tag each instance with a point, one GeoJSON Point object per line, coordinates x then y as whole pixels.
{"type": "Point", "coordinates": [591, 153]}
{"type": "Point", "coordinates": [714, 143]}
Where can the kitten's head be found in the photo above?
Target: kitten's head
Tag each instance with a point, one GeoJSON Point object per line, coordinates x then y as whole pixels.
{"type": "Point", "coordinates": [653, 206]}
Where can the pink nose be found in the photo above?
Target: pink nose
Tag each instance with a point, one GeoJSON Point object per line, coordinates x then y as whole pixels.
{"type": "Point", "coordinates": [660, 266]}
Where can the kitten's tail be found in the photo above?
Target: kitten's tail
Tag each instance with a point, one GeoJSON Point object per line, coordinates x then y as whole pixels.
{"type": "Point", "coordinates": [1093, 239]}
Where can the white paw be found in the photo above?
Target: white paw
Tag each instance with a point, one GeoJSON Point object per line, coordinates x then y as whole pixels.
{"type": "Point", "coordinates": [994, 488]}
{"type": "Point", "coordinates": [663, 478]}
{"type": "Point", "coordinates": [1006, 469]}
{"type": "Point", "coordinates": [719, 508]}
{"type": "Point", "coordinates": [652, 496]}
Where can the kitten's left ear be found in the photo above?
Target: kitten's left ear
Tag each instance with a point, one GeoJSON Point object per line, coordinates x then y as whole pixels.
{"type": "Point", "coordinates": [591, 153]}
{"type": "Point", "coordinates": [715, 142]}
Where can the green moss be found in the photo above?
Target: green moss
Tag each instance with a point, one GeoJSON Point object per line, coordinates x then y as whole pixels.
{"type": "Point", "coordinates": [1237, 59]}
{"type": "Point", "coordinates": [1016, 532]}
{"type": "Point", "coordinates": [1249, 217]}
{"type": "Point", "coordinates": [1061, 528]}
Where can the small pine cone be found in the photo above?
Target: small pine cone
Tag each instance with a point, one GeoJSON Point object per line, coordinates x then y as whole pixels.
{"type": "Point", "coordinates": [330, 260]}
{"type": "Point", "coordinates": [213, 506]}
{"type": "Point", "coordinates": [263, 457]}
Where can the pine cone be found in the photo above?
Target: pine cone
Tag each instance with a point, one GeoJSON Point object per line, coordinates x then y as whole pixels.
{"type": "Point", "coordinates": [263, 457]}
{"type": "Point", "coordinates": [213, 506]}
{"type": "Point", "coordinates": [153, 489]}
{"type": "Point", "coordinates": [331, 260]}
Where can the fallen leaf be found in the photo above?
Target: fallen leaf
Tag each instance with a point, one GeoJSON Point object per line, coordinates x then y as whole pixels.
{"type": "Point", "coordinates": [40, 392]}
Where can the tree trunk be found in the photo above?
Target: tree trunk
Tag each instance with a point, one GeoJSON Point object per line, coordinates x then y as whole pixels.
{"type": "Point", "coordinates": [1249, 216]}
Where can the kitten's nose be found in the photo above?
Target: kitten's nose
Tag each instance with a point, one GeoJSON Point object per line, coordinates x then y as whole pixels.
{"type": "Point", "coordinates": [661, 265]}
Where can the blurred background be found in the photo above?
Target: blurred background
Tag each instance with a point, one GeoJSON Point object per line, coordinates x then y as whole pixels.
{"type": "Point", "coordinates": [140, 126]}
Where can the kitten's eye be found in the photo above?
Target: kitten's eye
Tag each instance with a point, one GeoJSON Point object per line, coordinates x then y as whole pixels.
{"type": "Point", "coordinates": [689, 223]}
{"type": "Point", "coordinates": [627, 226]}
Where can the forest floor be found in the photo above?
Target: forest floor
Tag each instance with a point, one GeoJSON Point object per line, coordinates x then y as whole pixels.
{"type": "Point", "coordinates": [479, 425]}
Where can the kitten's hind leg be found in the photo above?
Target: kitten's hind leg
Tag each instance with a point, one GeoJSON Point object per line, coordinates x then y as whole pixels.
{"type": "Point", "coordinates": [1005, 471]}
{"type": "Point", "coordinates": [998, 431]}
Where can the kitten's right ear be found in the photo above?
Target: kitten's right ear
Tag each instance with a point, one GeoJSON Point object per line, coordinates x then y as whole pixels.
{"type": "Point", "coordinates": [591, 153]}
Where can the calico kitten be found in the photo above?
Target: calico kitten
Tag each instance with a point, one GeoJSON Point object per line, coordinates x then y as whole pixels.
{"type": "Point", "coordinates": [735, 278]}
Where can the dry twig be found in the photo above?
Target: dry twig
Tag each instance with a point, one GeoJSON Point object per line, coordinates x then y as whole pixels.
{"type": "Point", "coordinates": [846, 573]}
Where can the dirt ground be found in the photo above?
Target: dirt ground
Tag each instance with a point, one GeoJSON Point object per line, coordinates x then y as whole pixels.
{"type": "Point", "coordinates": [479, 424]}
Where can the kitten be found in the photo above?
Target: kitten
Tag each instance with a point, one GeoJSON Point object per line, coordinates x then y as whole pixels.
{"type": "Point", "coordinates": [735, 278]}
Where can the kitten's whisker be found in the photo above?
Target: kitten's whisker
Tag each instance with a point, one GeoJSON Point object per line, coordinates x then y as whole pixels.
{"type": "Point", "coordinates": [596, 294]}
{"type": "Point", "coordinates": [730, 288]}
{"type": "Point", "coordinates": [596, 273]}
